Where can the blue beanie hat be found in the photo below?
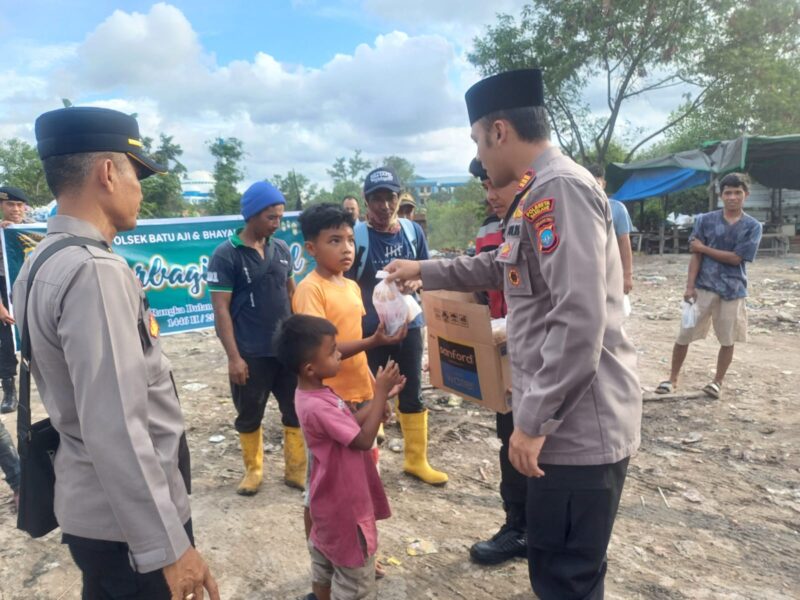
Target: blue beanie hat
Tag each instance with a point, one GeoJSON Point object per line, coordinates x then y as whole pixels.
{"type": "Point", "coordinates": [259, 196]}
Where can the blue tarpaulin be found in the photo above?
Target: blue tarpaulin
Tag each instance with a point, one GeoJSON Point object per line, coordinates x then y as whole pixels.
{"type": "Point", "coordinates": [657, 182]}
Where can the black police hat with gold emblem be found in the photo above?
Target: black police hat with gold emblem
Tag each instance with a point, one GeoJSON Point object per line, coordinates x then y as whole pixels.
{"type": "Point", "coordinates": [81, 129]}
{"type": "Point", "coordinates": [9, 192]}
{"type": "Point", "coordinates": [512, 89]}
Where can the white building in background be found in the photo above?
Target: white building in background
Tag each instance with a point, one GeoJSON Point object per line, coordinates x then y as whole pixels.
{"type": "Point", "coordinates": [197, 187]}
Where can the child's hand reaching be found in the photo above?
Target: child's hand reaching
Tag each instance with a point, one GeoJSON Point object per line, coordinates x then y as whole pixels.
{"type": "Point", "coordinates": [398, 387]}
{"type": "Point", "coordinates": [388, 380]}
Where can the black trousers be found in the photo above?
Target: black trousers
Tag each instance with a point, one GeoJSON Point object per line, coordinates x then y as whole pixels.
{"type": "Point", "coordinates": [408, 356]}
{"type": "Point", "coordinates": [513, 484]}
{"type": "Point", "coordinates": [267, 375]}
{"type": "Point", "coordinates": [571, 512]}
{"type": "Point", "coordinates": [108, 574]}
{"type": "Point", "coordinates": [8, 358]}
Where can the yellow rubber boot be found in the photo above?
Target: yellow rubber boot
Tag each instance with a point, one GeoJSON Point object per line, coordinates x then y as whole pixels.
{"type": "Point", "coordinates": [294, 456]}
{"type": "Point", "coordinates": [415, 435]}
{"type": "Point", "coordinates": [253, 455]}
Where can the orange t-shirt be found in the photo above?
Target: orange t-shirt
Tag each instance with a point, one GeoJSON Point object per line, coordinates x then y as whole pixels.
{"type": "Point", "coordinates": [341, 304]}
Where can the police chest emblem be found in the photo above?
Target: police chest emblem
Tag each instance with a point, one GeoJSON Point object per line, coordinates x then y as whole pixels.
{"type": "Point", "coordinates": [517, 212]}
{"type": "Point", "coordinates": [505, 250]}
{"type": "Point", "coordinates": [154, 328]}
{"type": "Point", "coordinates": [539, 209]}
{"type": "Point", "coordinates": [514, 278]}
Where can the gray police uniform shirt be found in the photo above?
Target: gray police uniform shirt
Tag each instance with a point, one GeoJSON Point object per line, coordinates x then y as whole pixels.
{"type": "Point", "coordinates": [108, 390]}
{"type": "Point", "coordinates": [573, 368]}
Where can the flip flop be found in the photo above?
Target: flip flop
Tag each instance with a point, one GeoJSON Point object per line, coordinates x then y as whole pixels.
{"type": "Point", "coordinates": [712, 390]}
{"type": "Point", "coordinates": [665, 387]}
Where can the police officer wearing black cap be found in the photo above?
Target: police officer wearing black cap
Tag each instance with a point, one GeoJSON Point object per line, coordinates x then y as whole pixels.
{"type": "Point", "coordinates": [120, 497]}
{"type": "Point", "coordinates": [12, 203]}
{"type": "Point", "coordinates": [576, 398]}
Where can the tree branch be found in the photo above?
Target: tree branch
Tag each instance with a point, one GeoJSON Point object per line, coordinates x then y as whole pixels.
{"type": "Point", "coordinates": [557, 131]}
{"type": "Point", "coordinates": [573, 124]}
{"type": "Point", "coordinates": [655, 86]}
{"type": "Point", "coordinates": [692, 107]}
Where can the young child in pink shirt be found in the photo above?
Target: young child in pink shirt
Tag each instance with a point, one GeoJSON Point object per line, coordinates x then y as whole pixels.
{"type": "Point", "coordinates": [346, 495]}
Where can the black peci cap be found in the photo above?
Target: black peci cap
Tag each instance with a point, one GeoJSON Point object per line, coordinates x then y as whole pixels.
{"type": "Point", "coordinates": [9, 192]}
{"type": "Point", "coordinates": [82, 129]}
{"type": "Point", "coordinates": [476, 170]}
{"type": "Point", "coordinates": [512, 89]}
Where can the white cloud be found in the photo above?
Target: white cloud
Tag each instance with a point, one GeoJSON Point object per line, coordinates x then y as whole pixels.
{"type": "Point", "coordinates": [467, 13]}
{"type": "Point", "coordinates": [388, 97]}
{"type": "Point", "coordinates": [399, 94]}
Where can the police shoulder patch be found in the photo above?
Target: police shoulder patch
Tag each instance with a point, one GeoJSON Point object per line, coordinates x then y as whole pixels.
{"type": "Point", "coordinates": [539, 208]}
{"type": "Point", "coordinates": [526, 179]}
{"type": "Point", "coordinates": [546, 236]}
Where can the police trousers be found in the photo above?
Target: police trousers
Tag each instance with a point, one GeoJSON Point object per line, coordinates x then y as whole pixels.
{"type": "Point", "coordinates": [108, 574]}
{"type": "Point", "coordinates": [267, 375]}
{"type": "Point", "coordinates": [408, 356]}
{"type": "Point", "coordinates": [9, 459]}
{"type": "Point", "coordinates": [513, 484]}
{"type": "Point", "coordinates": [8, 358]}
{"type": "Point", "coordinates": [571, 512]}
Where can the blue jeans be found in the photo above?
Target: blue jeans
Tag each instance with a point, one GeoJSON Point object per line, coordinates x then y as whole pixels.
{"type": "Point", "coordinates": [9, 459]}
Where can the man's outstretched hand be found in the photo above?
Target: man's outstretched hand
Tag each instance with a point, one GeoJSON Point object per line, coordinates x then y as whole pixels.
{"type": "Point", "coordinates": [402, 271]}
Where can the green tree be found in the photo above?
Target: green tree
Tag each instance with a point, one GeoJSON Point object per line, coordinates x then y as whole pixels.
{"type": "Point", "coordinates": [349, 169]}
{"type": "Point", "coordinates": [641, 48]}
{"type": "Point", "coordinates": [162, 194]}
{"type": "Point", "coordinates": [402, 166]}
{"type": "Point", "coordinates": [347, 175]}
{"type": "Point", "coordinates": [20, 166]}
{"type": "Point", "coordinates": [228, 153]}
{"type": "Point", "coordinates": [338, 193]}
{"type": "Point", "coordinates": [454, 220]}
{"type": "Point", "coordinates": [296, 188]}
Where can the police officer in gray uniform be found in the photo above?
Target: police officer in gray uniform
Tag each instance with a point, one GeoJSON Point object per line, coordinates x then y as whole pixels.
{"type": "Point", "coordinates": [576, 397]}
{"type": "Point", "coordinates": [120, 497]}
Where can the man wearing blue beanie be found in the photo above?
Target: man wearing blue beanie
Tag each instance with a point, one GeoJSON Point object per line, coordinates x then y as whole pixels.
{"type": "Point", "coordinates": [250, 278]}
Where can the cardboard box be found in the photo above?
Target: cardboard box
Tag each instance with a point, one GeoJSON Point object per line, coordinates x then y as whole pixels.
{"type": "Point", "coordinates": [464, 358]}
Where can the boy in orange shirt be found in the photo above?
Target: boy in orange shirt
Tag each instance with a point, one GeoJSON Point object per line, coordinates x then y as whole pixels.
{"type": "Point", "coordinates": [328, 294]}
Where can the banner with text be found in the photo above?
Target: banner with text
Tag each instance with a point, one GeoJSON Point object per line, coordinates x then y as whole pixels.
{"type": "Point", "coordinates": [170, 259]}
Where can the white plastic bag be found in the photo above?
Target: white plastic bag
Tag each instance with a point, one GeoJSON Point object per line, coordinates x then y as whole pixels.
{"type": "Point", "coordinates": [499, 333]}
{"type": "Point", "coordinates": [626, 306]}
{"type": "Point", "coordinates": [414, 309]}
{"type": "Point", "coordinates": [390, 305]}
{"type": "Point", "coordinates": [688, 315]}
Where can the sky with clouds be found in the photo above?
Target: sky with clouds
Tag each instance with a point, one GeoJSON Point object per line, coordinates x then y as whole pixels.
{"type": "Point", "coordinates": [299, 81]}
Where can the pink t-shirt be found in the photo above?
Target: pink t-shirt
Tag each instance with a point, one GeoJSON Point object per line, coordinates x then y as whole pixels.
{"type": "Point", "coordinates": [346, 493]}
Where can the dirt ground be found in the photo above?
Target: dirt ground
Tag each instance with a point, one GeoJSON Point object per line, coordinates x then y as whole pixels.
{"type": "Point", "coordinates": [710, 510]}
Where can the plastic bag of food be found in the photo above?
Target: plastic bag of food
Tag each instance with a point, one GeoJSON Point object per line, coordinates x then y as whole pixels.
{"type": "Point", "coordinates": [626, 306]}
{"type": "Point", "coordinates": [414, 309]}
{"type": "Point", "coordinates": [391, 306]}
{"type": "Point", "coordinates": [688, 315]}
